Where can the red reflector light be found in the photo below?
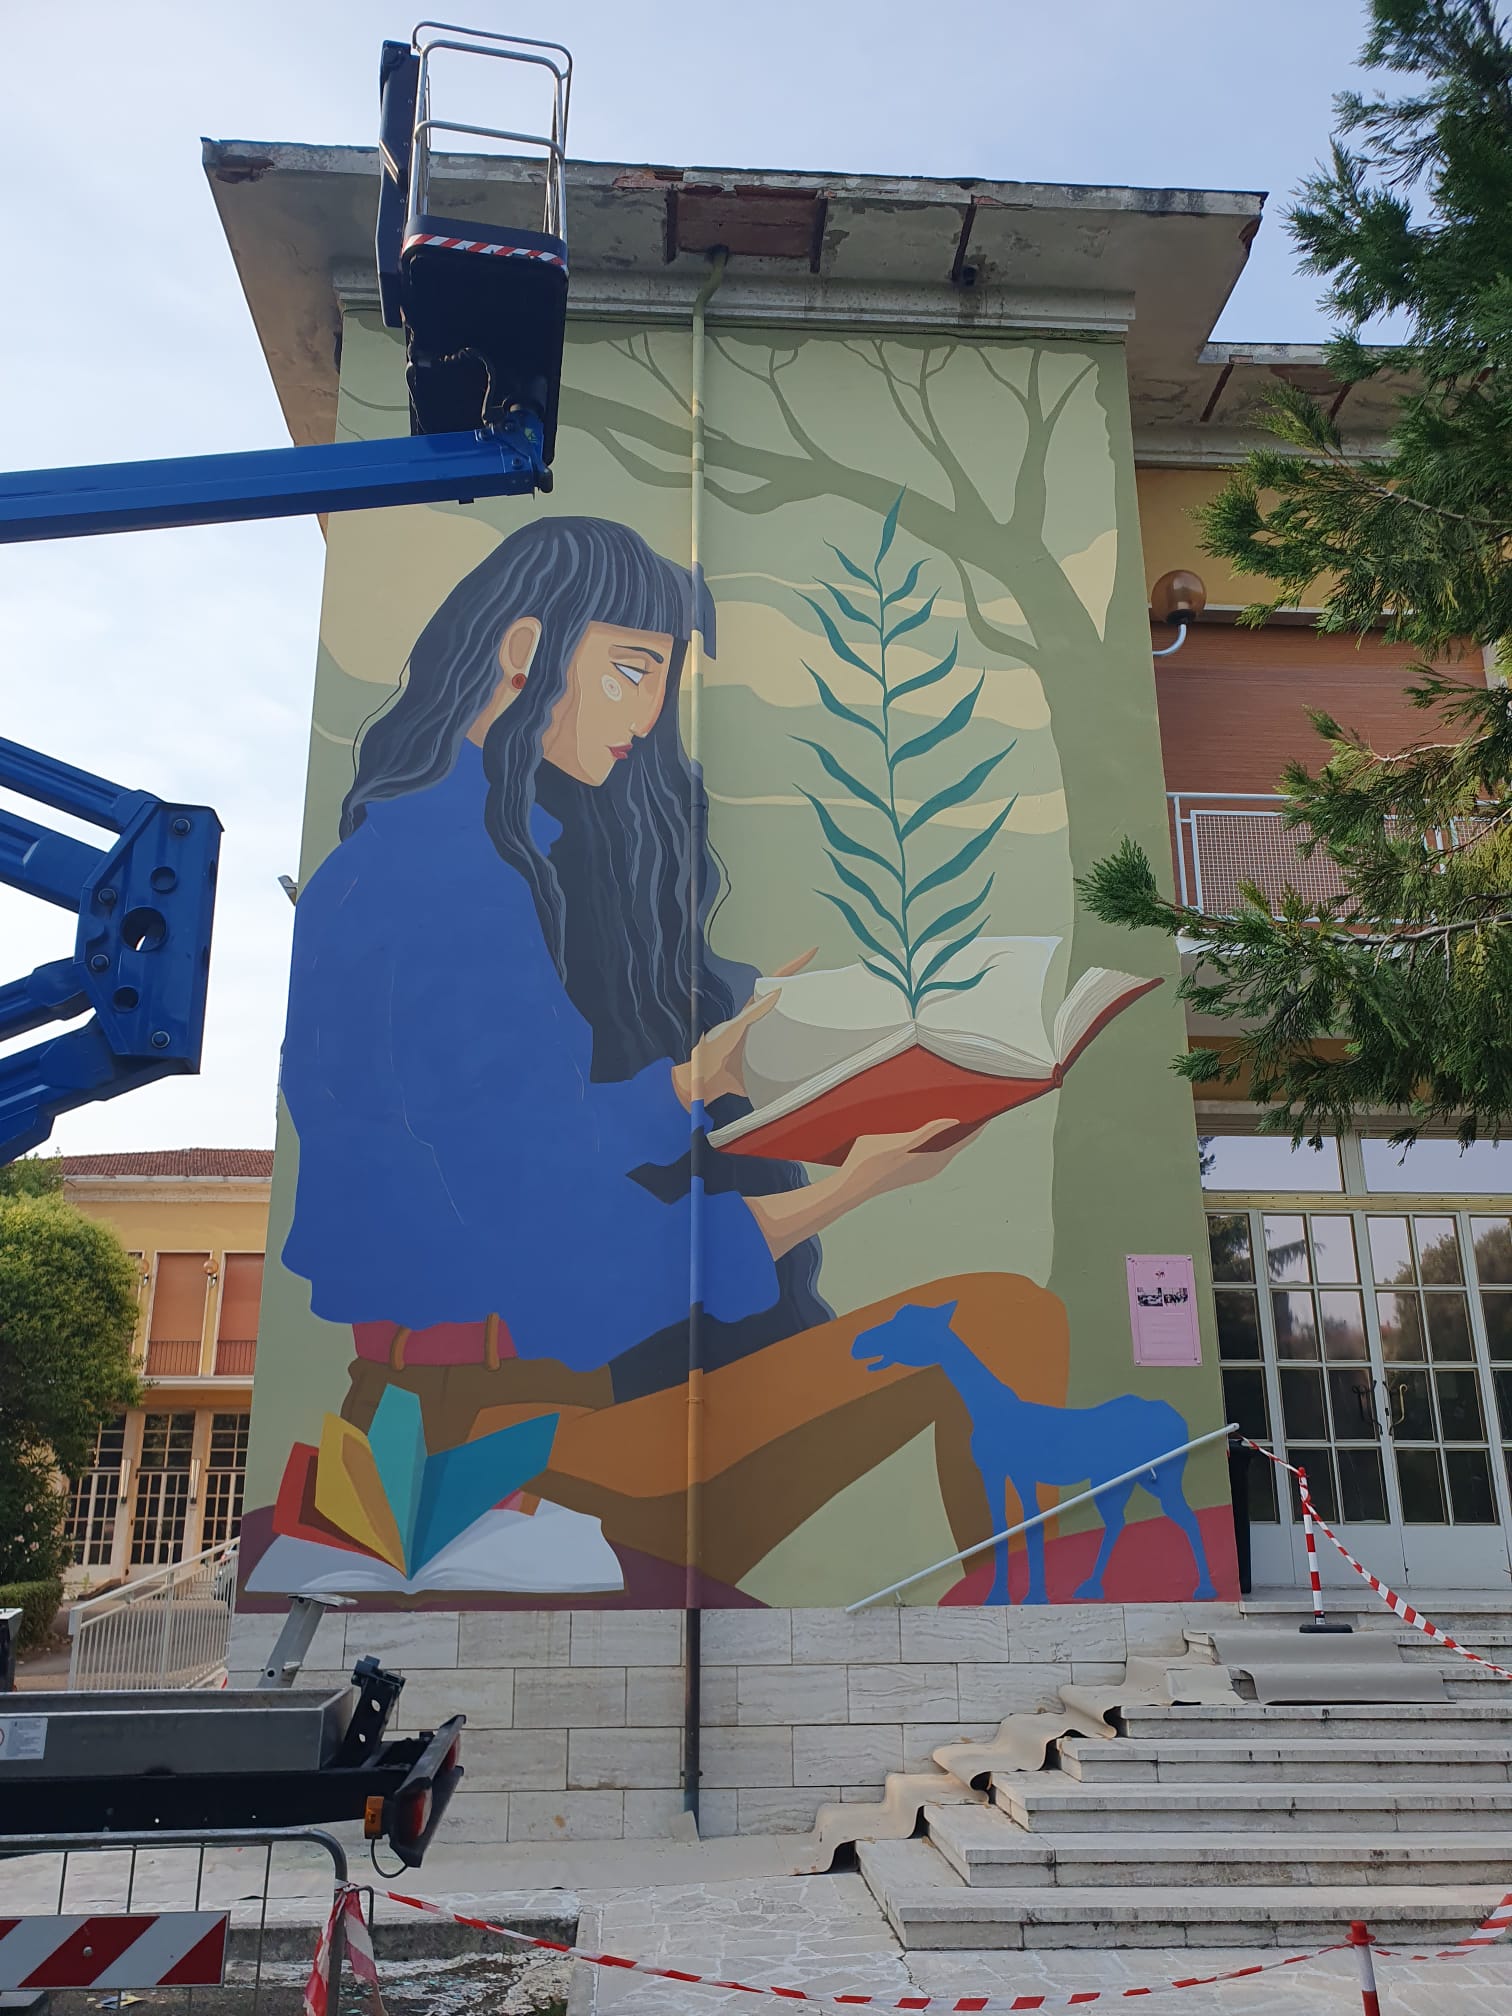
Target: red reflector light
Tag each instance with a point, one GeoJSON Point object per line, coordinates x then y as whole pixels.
{"type": "Point", "coordinates": [412, 1816]}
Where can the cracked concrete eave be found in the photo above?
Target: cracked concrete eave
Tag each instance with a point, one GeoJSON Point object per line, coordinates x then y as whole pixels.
{"type": "Point", "coordinates": [1154, 265]}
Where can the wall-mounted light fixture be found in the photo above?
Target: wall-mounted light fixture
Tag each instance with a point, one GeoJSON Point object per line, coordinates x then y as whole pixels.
{"type": "Point", "coordinates": [212, 1272]}
{"type": "Point", "coordinates": [1180, 598]}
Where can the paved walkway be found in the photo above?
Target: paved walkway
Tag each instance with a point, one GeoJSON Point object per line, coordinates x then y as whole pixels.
{"type": "Point", "coordinates": [724, 1909]}
{"type": "Point", "coordinates": [825, 1933]}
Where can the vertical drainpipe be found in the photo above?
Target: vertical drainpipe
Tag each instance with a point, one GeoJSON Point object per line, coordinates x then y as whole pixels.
{"type": "Point", "coordinates": [697, 833]}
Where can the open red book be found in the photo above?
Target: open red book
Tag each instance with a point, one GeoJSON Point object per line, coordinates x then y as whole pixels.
{"type": "Point", "coordinates": [840, 1056]}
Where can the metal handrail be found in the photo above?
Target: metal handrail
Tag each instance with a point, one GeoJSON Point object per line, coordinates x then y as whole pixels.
{"type": "Point", "coordinates": [1082, 1497]}
{"type": "Point", "coordinates": [168, 1628]}
{"type": "Point", "coordinates": [141, 1586]}
{"type": "Point", "coordinates": [515, 49]}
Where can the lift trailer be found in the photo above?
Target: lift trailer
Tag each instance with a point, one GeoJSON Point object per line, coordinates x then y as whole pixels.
{"type": "Point", "coordinates": [194, 1759]}
{"type": "Point", "coordinates": [482, 309]}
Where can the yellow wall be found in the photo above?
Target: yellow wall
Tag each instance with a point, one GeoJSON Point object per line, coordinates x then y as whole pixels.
{"type": "Point", "coordinates": [1167, 499]}
{"type": "Point", "coordinates": [150, 1224]}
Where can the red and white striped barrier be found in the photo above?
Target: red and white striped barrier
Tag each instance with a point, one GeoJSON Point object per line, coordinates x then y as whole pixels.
{"type": "Point", "coordinates": [357, 1942]}
{"type": "Point", "coordinates": [1314, 1518]}
{"type": "Point", "coordinates": [141, 1949]}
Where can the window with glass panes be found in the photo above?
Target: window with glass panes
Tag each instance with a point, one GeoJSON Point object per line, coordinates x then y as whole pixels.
{"type": "Point", "coordinates": [1432, 1387]}
{"type": "Point", "coordinates": [225, 1477]}
{"type": "Point", "coordinates": [1491, 1246]}
{"type": "Point", "coordinates": [161, 1511]}
{"type": "Point", "coordinates": [1349, 1341]}
{"type": "Point", "coordinates": [95, 1499]}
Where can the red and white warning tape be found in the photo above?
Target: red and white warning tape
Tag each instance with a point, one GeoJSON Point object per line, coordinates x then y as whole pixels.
{"type": "Point", "coordinates": [939, 2005]}
{"type": "Point", "coordinates": [346, 1910]}
{"type": "Point", "coordinates": [489, 249]}
{"type": "Point", "coordinates": [1388, 1595]}
{"type": "Point", "coordinates": [347, 1906]}
{"type": "Point", "coordinates": [1486, 1934]}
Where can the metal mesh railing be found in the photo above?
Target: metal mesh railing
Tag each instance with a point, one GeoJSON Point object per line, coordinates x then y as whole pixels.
{"type": "Point", "coordinates": [167, 1629]}
{"type": "Point", "coordinates": [1234, 839]}
{"type": "Point", "coordinates": [1231, 848]}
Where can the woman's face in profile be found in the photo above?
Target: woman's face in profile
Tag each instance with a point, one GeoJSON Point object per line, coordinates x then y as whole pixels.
{"type": "Point", "coordinates": [615, 690]}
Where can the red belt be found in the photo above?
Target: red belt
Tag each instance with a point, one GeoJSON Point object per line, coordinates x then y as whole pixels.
{"type": "Point", "coordinates": [482, 1343]}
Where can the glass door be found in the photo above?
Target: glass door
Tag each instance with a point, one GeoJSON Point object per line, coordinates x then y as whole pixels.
{"type": "Point", "coordinates": [1355, 1343]}
{"type": "Point", "coordinates": [1437, 1391]}
{"type": "Point", "coordinates": [161, 1510]}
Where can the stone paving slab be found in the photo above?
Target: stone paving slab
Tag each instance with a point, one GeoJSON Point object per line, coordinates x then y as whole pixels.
{"type": "Point", "coordinates": [823, 1933]}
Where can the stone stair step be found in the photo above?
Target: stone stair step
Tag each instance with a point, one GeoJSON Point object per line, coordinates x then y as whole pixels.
{"type": "Point", "coordinates": [1389, 1722]}
{"type": "Point", "coordinates": [987, 1850]}
{"type": "Point", "coordinates": [1051, 1803]}
{"type": "Point", "coordinates": [929, 1915]}
{"type": "Point", "coordinates": [1325, 1760]}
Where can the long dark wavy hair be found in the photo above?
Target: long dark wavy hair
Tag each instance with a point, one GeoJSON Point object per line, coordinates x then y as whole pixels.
{"type": "Point", "coordinates": [622, 905]}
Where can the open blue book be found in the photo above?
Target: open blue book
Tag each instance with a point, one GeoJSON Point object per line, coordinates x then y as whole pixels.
{"type": "Point", "coordinates": [405, 1506]}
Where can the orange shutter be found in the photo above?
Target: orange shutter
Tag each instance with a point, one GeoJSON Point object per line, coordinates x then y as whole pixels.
{"type": "Point", "coordinates": [241, 1294]}
{"type": "Point", "coordinates": [178, 1298]}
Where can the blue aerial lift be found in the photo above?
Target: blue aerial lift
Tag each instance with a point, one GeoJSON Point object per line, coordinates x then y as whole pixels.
{"type": "Point", "coordinates": [483, 311]}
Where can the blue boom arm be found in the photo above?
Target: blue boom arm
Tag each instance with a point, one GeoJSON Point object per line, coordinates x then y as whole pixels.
{"type": "Point", "coordinates": [503, 461]}
{"type": "Point", "coordinates": [141, 957]}
{"type": "Point", "coordinates": [146, 905]}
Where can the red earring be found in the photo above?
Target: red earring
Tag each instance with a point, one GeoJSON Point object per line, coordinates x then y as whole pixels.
{"type": "Point", "coordinates": [517, 680]}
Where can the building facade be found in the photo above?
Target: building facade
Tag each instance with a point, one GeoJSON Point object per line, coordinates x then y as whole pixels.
{"type": "Point", "coordinates": [721, 1166]}
{"type": "Point", "coordinates": [167, 1477]}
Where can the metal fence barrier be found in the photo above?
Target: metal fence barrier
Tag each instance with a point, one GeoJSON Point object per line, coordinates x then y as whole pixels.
{"type": "Point", "coordinates": [178, 1885]}
{"type": "Point", "coordinates": [167, 1629]}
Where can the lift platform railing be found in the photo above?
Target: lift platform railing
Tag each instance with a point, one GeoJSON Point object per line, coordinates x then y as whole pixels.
{"type": "Point", "coordinates": [429, 38]}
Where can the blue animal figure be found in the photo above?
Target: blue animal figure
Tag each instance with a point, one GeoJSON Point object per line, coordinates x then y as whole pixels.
{"type": "Point", "coordinates": [1027, 1444]}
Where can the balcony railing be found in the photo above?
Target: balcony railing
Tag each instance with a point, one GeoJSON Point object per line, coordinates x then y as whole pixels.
{"type": "Point", "coordinates": [173, 1357]}
{"type": "Point", "coordinates": [1223, 839]}
{"type": "Point", "coordinates": [235, 1357]}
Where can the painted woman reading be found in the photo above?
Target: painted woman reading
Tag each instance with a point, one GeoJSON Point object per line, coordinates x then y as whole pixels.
{"type": "Point", "coordinates": [489, 1058]}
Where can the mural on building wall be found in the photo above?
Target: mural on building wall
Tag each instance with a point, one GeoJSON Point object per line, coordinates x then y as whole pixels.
{"type": "Point", "coordinates": [680, 1006]}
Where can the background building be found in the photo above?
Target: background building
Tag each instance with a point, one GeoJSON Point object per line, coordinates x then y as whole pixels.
{"type": "Point", "coordinates": [167, 1477]}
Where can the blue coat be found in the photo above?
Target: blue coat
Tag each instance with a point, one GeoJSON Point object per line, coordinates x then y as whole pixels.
{"type": "Point", "coordinates": [455, 1158]}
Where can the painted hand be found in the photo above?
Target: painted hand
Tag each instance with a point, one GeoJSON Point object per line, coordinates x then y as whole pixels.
{"type": "Point", "coordinates": [717, 1066]}
{"type": "Point", "coordinates": [882, 1162]}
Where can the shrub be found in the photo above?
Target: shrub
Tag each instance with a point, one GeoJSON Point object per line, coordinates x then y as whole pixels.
{"type": "Point", "coordinates": [38, 1603]}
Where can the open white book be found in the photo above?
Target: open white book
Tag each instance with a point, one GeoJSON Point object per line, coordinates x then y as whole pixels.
{"type": "Point", "coordinates": [551, 1552]}
{"type": "Point", "coordinates": [841, 1056]}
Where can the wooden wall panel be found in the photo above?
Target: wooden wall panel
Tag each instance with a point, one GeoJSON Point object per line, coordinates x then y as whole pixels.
{"type": "Point", "coordinates": [1233, 703]}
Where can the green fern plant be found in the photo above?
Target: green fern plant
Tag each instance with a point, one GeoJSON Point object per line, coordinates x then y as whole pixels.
{"type": "Point", "coordinates": [917, 918]}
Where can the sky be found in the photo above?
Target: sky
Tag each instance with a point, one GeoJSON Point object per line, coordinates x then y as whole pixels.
{"type": "Point", "coordinates": [182, 662]}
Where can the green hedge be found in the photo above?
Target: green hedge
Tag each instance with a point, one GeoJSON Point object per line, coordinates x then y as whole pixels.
{"type": "Point", "coordinates": [38, 1603]}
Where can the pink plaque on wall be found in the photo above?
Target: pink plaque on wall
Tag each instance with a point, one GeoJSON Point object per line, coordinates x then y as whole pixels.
{"type": "Point", "coordinates": [1163, 1309]}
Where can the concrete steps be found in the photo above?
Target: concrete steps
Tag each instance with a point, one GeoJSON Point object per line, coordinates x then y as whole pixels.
{"type": "Point", "coordinates": [1323, 1760]}
{"type": "Point", "coordinates": [1049, 1802]}
{"type": "Point", "coordinates": [931, 1908]}
{"type": "Point", "coordinates": [1226, 1822]}
{"type": "Point", "coordinates": [1388, 1723]}
{"type": "Point", "coordinates": [986, 1850]}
